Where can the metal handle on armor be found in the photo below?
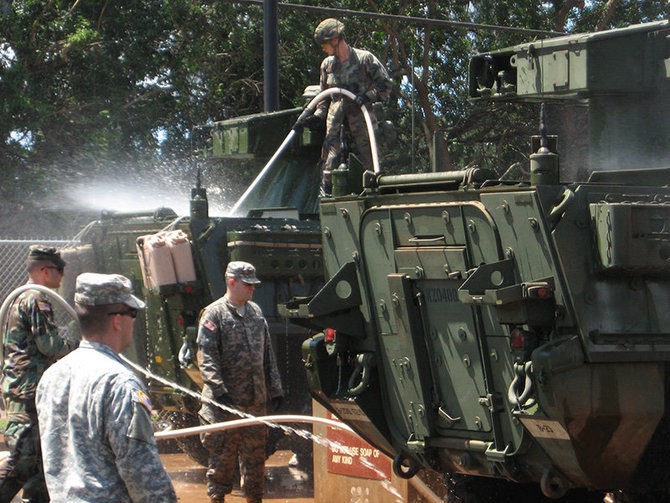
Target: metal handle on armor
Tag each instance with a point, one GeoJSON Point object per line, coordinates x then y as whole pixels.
{"type": "Point", "coordinates": [521, 370]}
{"type": "Point", "coordinates": [561, 207]}
{"type": "Point", "coordinates": [185, 357]}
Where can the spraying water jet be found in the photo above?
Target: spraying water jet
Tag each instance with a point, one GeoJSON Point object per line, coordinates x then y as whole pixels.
{"type": "Point", "coordinates": [309, 109]}
{"type": "Point", "coordinates": [247, 419]}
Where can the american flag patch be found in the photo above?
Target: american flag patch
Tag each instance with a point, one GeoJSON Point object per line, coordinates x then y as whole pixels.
{"type": "Point", "coordinates": [43, 306]}
{"type": "Point", "coordinates": [143, 399]}
{"type": "Point", "coordinates": [209, 325]}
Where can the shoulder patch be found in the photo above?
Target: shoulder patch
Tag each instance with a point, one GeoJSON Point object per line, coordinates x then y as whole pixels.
{"type": "Point", "coordinates": [43, 306]}
{"type": "Point", "coordinates": [209, 325]}
{"type": "Point", "coordinates": [143, 399]}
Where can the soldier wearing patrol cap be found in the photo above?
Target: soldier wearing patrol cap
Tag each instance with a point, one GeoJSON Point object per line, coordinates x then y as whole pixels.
{"type": "Point", "coordinates": [239, 371]}
{"type": "Point", "coordinates": [358, 71]}
{"type": "Point", "coordinates": [31, 343]}
{"type": "Point", "coordinates": [94, 412]}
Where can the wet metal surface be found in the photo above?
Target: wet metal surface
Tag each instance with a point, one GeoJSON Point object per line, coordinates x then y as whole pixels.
{"type": "Point", "coordinates": [283, 483]}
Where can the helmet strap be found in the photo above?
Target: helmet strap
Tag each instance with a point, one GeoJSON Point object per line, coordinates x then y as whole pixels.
{"type": "Point", "coordinates": [336, 47]}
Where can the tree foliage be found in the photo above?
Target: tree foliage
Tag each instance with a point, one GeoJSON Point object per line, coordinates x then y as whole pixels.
{"type": "Point", "coordinates": [84, 81]}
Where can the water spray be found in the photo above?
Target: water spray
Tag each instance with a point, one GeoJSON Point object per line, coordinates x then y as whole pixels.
{"type": "Point", "coordinates": [309, 110]}
{"type": "Point", "coordinates": [247, 419]}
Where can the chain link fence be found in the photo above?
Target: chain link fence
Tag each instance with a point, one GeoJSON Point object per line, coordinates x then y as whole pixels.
{"type": "Point", "coordinates": [13, 254]}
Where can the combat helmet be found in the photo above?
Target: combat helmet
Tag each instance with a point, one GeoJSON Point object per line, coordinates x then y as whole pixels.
{"type": "Point", "coordinates": [328, 29]}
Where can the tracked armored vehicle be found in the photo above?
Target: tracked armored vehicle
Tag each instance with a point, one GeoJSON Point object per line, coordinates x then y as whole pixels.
{"type": "Point", "coordinates": [178, 263]}
{"type": "Point", "coordinates": [514, 335]}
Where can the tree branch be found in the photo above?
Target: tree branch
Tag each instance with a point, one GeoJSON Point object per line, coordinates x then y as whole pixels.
{"type": "Point", "coordinates": [607, 14]}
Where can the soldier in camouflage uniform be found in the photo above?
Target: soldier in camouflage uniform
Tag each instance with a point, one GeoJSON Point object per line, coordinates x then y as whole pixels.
{"type": "Point", "coordinates": [31, 343]}
{"type": "Point", "coordinates": [94, 412]}
{"type": "Point", "coordinates": [358, 71]}
{"type": "Point", "coordinates": [238, 368]}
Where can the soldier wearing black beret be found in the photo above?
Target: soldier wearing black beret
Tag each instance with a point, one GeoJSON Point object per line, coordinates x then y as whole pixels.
{"type": "Point", "coordinates": [31, 343]}
{"type": "Point", "coordinates": [40, 253]}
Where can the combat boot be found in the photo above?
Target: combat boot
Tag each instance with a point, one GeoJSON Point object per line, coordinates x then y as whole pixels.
{"type": "Point", "coordinates": [326, 187]}
{"type": "Point", "coordinates": [217, 498]}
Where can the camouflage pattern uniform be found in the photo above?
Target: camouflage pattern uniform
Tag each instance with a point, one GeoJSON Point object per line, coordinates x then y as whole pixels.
{"type": "Point", "coordinates": [236, 359]}
{"type": "Point", "coordinates": [96, 431]}
{"type": "Point", "coordinates": [94, 415]}
{"type": "Point", "coordinates": [31, 344]}
{"type": "Point", "coordinates": [362, 74]}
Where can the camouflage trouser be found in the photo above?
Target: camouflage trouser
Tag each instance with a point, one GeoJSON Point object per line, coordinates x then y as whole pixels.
{"type": "Point", "coordinates": [224, 449]}
{"type": "Point", "coordinates": [23, 467]}
{"type": "Point", "coordinates": [339, 112]}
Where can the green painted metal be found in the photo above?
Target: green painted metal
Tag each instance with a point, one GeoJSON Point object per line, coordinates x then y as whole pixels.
{"type": "Point", "coordinates": [282, 242]}
{"type": "Point", "coordinates": [515, 331]}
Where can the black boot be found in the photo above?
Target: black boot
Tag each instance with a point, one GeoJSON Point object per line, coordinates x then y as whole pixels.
{"type": "Point", "coordinates": [326, 183]}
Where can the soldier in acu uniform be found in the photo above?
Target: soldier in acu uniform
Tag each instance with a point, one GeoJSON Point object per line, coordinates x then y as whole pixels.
{"type": "Point", "coordinates": [94, 412]}
{"type": "Point", "coordinates": [31, 343]}
{"type": "Point", "coordinates": [238, 368]}
{"type": "Point", "coordinates": [358, 71]}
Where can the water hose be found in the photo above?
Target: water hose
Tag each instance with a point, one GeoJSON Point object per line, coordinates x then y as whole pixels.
{"type": "Point", "coordinates": [309, 109]}
{"type": "Point", "coordinates": [366, 115]}
{"type": "Point", "coordinates": [31, 286]}
{"type": "Point", "coordinates": [248, 421]}
{"type": "Point", "coordinates": [18, 291]}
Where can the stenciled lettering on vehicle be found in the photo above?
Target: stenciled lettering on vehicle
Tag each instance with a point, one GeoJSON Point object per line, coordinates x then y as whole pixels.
{"type": "Point", "coordinates": [441, 294]}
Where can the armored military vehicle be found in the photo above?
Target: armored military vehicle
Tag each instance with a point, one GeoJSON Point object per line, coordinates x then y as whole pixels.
{"type": "Point", "coordinates": [178, 262]}
{"type": "Point", "coordinates": [515, 334]}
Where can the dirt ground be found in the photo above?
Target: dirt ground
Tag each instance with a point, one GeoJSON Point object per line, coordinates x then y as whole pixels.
{"type": "Point", "coordinates": [283, 484]}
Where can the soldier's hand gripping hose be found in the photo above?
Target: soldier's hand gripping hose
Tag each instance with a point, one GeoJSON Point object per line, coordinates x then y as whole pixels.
{"type": "Point", "coordinates": [299, 124]}
{"type": "Point", "coordinates": [224, 399]}
{"type": "Point", "coordinates": [362, 100]}
{"type": "Point", "coordinates": [313, 122]}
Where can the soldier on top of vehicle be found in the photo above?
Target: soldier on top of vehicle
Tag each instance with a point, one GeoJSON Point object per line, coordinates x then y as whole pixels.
{"type": "Point", "coordinates": [358, 71]}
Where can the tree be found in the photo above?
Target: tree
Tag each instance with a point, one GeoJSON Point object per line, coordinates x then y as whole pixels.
{"type": "Point", "coordinates": [84, 82]}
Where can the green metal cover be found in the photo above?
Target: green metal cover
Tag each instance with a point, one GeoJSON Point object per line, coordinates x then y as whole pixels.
{"type": "Point", "coordinates": [626, 60]}
{"type": "Point", "coordinates": [257, 135]}
{"type": "Point", "coordinates": [278, 252]}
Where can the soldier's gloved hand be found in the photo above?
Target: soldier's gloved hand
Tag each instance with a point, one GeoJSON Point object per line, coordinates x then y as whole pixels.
{"type": "Point", "coordinates": [362, 99]}
{"type": "Point", "coordinates": [315, 123]}
{"type": "Point", "coordinates": [223, 399]}
{"type": "Point", "coordinates": [276, 403]}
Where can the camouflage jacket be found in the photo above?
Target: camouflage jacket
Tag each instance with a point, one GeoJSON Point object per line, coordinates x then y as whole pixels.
{"type": "Point", "coordinates": [235, 355]}
{"type": "Point", "coordinates": [362, 72]}
{"type": "Point", "coordinates": [31, 343]}
{"type": "Point", "coordinates": [95, 428]}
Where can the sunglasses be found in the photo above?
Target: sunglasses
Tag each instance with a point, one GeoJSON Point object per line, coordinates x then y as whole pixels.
{"type": "Point", "coordinates": [60, 269]}
{"type": "Point", "coordinates": [130, 312]}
